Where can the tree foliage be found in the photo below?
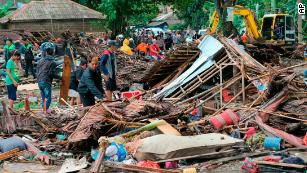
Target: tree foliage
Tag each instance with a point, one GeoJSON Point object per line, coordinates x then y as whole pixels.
{"type": "Point", "coordinates": [122, 13]}
{"type": "Point", "coordinates": [194, 13]}
{"type": "Point", "coordinates": [4, 9]}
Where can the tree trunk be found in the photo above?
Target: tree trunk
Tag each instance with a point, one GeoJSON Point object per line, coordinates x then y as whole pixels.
{"type": "Point", "coordinates": [299, 25]}
{"type": "Point", "coordinates": [273, 6]}
{"type": "Point", "coordinates": [227, 26]}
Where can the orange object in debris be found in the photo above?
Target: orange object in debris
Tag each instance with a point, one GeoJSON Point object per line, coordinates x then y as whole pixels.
{"type": "Point", "coordinates": [228, 117]}
{"type": "Point", "coordinates": [244, 38]}
{"type": "Point", "coordinates": [148, 164]}
{"type": "Point", "coordinates": [27, 104]}
{"type": "Point", "coordinates": [305, 139]}
{"type": "Point", "coordinates": [130, 94]}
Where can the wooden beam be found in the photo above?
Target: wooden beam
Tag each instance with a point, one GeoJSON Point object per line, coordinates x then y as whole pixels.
{"type": "Point", "coordinates": [65, 79]}
{"type": "Point", "coordinates": [9, 154]}
{"type": "Point", "coordinates": [166, 128]}
{"type": "Point", "coordinates": [214, 155]}
{"type": "Point", "coordinates": [281, 164]}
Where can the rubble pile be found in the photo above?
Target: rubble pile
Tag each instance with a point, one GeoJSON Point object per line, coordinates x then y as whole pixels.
{"type": "Point", "coordinates": [208, 104]}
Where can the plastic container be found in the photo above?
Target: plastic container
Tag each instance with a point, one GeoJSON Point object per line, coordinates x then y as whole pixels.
{"type": "Point", "coordinates": [130, 94]}
{"type": "Point", "coordinates": [272, 143]}
{"type": "Point", "coordinates": [228, 117]}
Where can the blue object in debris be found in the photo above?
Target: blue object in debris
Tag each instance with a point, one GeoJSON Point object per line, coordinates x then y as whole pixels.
{"type": "Point", "coordinates": [94, 153]}
{"type": "Point", "coordinates": [305, 77]}
{"type": "Point", "coordinates": [272, 143]}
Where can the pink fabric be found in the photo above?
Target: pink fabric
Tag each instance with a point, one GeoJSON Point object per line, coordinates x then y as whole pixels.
{"type": "Point", "coordinates": [171, 165]}
{"type": "Point", "coordinates": [251, 131]}
{"type": "Point", "coordinates": [272, 107]}
{"type": "Point", "coordinates": [291, 139]}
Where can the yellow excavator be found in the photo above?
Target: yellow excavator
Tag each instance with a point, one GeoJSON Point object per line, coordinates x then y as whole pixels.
{"type": "Point", "coordinates": [267, 32]}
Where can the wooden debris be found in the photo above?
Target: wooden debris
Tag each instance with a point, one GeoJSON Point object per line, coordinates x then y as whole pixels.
{"type": "Point", "coordinates": [166, 128]}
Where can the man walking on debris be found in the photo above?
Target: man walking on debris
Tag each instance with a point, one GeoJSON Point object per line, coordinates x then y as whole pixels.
{"type": "Point", "coordinates": [29, 58]}
{"type": "Point", "coordinates": [109, 69]}
{"type": "Point", "coordinates": [12, 78]}
{"type": "Point", "coordinates": [46, 71]}
{"type": "Point", "coordinates": [90, 85]}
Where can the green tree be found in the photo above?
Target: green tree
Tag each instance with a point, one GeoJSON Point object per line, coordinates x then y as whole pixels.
{"type": "Point", "coordinates": [123, 13]}
{"type": "Point", "coordinates": [4, 9]}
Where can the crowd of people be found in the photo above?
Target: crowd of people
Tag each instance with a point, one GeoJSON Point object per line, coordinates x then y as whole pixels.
{"type": "Point", "coordinates": [148, 44]}
{"type": "Point", "coordinates": [86, 81]}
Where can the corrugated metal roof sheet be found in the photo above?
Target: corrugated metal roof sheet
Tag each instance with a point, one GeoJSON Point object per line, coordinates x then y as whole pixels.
{"type": "Point", "coordinates": [52, 9]}
{"type": "Point", "coordinates": [209, 47]}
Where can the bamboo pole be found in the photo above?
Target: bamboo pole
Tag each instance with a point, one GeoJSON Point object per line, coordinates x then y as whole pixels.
{"type": "Point", "coordinates": [207, 91]}
{"type": "Point", "coordinates": [205, 119]}
{"type": "Point", "coordinates": [221, 89]}
{"type": "Point", "coordinates": [202, 102]}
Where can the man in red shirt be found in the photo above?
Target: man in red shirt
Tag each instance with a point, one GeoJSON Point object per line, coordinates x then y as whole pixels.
{"type": "Point", "coordinates": [154, 50]}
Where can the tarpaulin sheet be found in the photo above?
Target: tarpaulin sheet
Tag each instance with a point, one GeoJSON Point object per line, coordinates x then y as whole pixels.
{"type": "Point", "coordinates": [291, 139]}
{"type": "Point", "coordinates": [209, 47]}
{"type": "Point", "coordinates": [163, 147]}
{"type": "Point", "coordinates": [271, 106]}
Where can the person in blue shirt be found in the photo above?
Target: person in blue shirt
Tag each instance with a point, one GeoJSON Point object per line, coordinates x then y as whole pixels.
{"type": "Point", "coordinates": [109, 68]}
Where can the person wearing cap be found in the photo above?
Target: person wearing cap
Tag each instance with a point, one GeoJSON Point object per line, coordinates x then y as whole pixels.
{"type": "Point", "coordinates": [75, 78]}
{"type": "Point", "coordinates": [29, 58]}
{"type": "Point", "coordinates": [46, 72]}
{"type": "Point", "coordinates": [12, 78]}
{"type": "Point", "coordinates": [8, 47]}
{"type": "Point", "coordinates": [109, 68]}
{"type": "Point", "coordinates": [90, 85]}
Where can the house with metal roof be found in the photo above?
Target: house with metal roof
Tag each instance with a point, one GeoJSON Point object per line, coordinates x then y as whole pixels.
{"type": "Point", "coordinates": [53, 16]}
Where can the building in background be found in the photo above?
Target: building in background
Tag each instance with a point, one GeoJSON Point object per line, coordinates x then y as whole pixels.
{"type": "Point", "coordinates": [52, 16]}
{"type": "Point", "coordinates": [165, 19]}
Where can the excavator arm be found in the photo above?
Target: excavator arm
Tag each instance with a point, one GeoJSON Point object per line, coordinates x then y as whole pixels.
{"type": "Point", "coordinates": [248, 17]}
{"type": "Point", "coordinates": [214, 21]}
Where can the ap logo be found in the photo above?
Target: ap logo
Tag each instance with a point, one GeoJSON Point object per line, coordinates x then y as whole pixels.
{"type": "Point", "coordinates": [301, 8]}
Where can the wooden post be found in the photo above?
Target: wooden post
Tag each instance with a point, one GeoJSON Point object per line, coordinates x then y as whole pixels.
{"type": "Point", "coordinates": [65, 79]}
{"type": "Point", "coordinates": [221, 88]}
{"type": "Point", "coordinates": [243, 81]}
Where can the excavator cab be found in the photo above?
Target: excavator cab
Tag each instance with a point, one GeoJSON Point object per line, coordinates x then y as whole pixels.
{"type": "Point", "coordinates": [278, 27]}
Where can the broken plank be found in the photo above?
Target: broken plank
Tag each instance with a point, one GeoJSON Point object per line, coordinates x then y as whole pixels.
{"type": "Point", "coordinates": [213, 155]}
{"type": "Point", "coordinates": [65, 79]}
{"type": "Point", "coordinates": [281, 164]}
{"type": "Point", "coordinates": [138, 169]}
{"type": "Point", "coordinates": [9, 154]}
{"type": "Point", "coordinates": [166, 128]}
